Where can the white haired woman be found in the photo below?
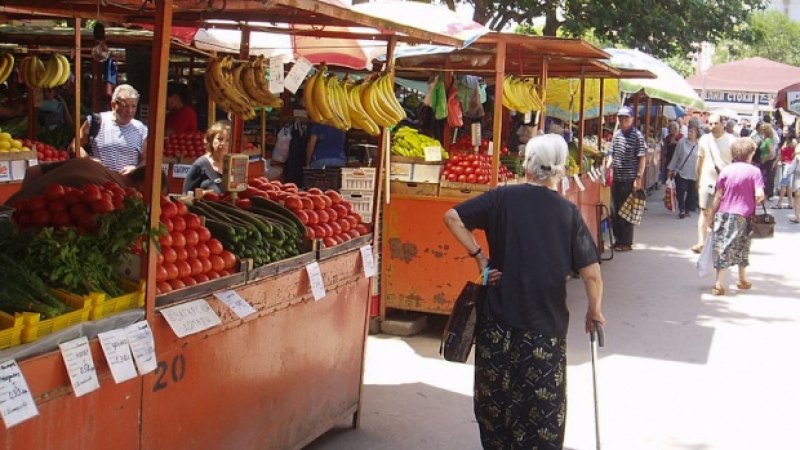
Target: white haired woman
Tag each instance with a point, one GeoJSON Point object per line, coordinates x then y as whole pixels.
{"type": "Point", "coordinates": [536, 239]}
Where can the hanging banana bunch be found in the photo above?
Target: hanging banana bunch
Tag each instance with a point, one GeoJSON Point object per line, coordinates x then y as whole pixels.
{"type": "Point", "coordinates": [224, 86]}
{"type": "Point", "coordinates": [521, 95]}
{"type": "Point", "coordinates": [37, 74]}
{"type": "Point", "coordinates": [6, 66]}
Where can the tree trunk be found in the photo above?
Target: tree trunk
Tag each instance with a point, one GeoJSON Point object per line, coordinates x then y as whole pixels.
{"type": "Point", "coordinates": [551, 24]}
{"type": "Point", "coordinates": [481, 14]}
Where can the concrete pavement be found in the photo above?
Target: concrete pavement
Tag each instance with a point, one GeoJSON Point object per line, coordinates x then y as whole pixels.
{"type": "Point", "coordinates": [681, 369]}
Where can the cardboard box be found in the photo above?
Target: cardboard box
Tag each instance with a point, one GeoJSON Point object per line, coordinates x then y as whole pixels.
{"type": "Point", "coordinates": [414, 189]}
{"type": "Point", "coordinates": [418, 173]}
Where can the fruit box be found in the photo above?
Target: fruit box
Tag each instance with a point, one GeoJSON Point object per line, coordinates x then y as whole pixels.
{"type": "Point", "coordinates": [10, 329]}
{"type": "Point", "coordinates": [414, 189]}
{"type": "Point", "coordinates": [36, 328]}
{"type": "Point", "coordinates": [102, 307]}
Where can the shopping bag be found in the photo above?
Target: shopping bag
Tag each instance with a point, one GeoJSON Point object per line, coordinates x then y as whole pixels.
{"type": "Point", "coordinates": [632, 209]}
{"type": "Point", "coordinates": [459, 333]}
{"type": "Point", "coordinates": [454, 114]}
{"type": "Point", "coordinates": [281, 150]}
{"type": "Point", "coordinates": [670, 197]}
{"type": "Point", "coordinates": [705, 262]}
{"type": "Point", "coordinates": [762, 226]}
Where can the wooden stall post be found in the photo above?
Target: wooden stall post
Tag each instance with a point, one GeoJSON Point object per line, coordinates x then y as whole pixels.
{"type": "Point", "coordinates": [497, 128]}
{"type": "Point", "coordinates": [582, 116]}
{"type": "Point", "coordinates": [237, 134]}
{"type": "Point", "coordinates": [77, 122]}
{"type": "Point", "coordinates": [601, 119]}
{"type": "Point", "coordinates": [212, 107]}
{"type": "Point", "coordinates": [543, 92]}
{"type": "Point", "coordinates": [647, 117]}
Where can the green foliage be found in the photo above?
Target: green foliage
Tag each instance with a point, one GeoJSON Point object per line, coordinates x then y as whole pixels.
{"type": "Point", "coordinates": [771, 35]}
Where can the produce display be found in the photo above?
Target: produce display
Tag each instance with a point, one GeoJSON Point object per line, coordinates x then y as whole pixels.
{"type": "Point", "coordinates": [45, 152]}
{"type": "Point", "coordinates": [409, 142]}
{"type": "Point", "coordinates": [241, 88]}
{"type": "Point", "coordinates": [367, 105]}
{"type": "Point", "coordinates": [471, 167]}
{"type": "Point", "coordinates": [24, 291]}
{"type": "Point", "coordinates": [11, 145]}
{"type": "Point", "coordinates": [6, 66]}
{"type": "Point", "coordinates": [521, 95]}
{"type": "Point", "coordinates": [190, 146]}
{"type": "Point", "coordinates": [36, 74]}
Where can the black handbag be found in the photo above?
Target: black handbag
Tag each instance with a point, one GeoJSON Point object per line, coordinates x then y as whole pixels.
{"type": "Point", "coordinates": [459, 333]}
{"type": "Point", "coordinates": [762, 226]}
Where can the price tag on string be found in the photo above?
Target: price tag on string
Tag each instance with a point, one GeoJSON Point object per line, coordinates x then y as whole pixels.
{"type": "Point", "coordinates": [276, 79]}
{"type": "Point", "coordinates": [191, 317]}
{"type": "Point", "coordinates": [118, 354]}
{"type": "Point", "coordinates": [578, 182]}
{"type": "Point", "coordinates": [565, 184]}
{"type": "Point", "coordinates": [236, 303]}
{"type": "Point", "coordinates": [476, 134]}
{"type": "Point", "coordinates": [317, 283]}
{"type": "Point", "coordinates": [143, 346]}
{"type": "Point", "coordinates": [433, 153]}
{"type": "Point", "coordinates": [16, 401]}
{"type": "Point", "coordinates": [368, 260]}
{"type": "Point", "coordinates": [296, 76]}
{"type": "Point", "coordinates": [80, 365]}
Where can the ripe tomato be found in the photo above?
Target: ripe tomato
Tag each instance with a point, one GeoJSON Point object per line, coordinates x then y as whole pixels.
{"type": "Point", "coordinates": [471, 178]}
{"type": "Point", "coordinates": [202, 251]}
{"type": "Point", "coordinates": [192, 221]}
{"type": "Point", "coordinates": [228, 258]}
{"type": "Point", "coordinates": [206, 265]}
{"type": "Point", "coordinates": [332, 214]}
{"type": "Point", "coordinates": [56, 206]}
{"type": "Point", "coordinates": [102, 206]}
{"type": "Point", "coordinates": [86, 221]}
{"type": "Point", "coordinates": [189, 281]}
{"type": "Point", "coordinates": [184, 269]}
{"type": "Point", "coordinates": [323, 216]}
{"type": "Point", "coordinates": [169, 254]}
{"type": "Point", "coordinates": [169, 210]}
{"type": "Point", "coordinates": [334, 196]}
{"type": "Point", "coordinates": [224, 273]}
{"type": "Point", "coordinates": [191, 251]}
{"type": "Point", "coordinates": [344, 224]}
{"type": "Point", "coordinates": [181, 208]}
{"type": "Point", "coordinates": [178, 223]}
{"type": "Point", "coordinates": [161, 274]}
{"type": "Point", "coordinates": [335, 227]}
{"type": "Point", "coordinates": [362, 229]}
{"type": "Point", "coordinates": [302, 216]}
{"type": "Point", "coordinates": [293, 203]}
{"type": "Point", "coordinates": [203, 234]}
{"type": "Point", "coordinates": [54, 192]}
{"type": "Point", "coordinates": [176, 284]}
{"type": "Point", "coordinates": [341, 210]}
{"type": "Point", "coordinates": [327, 228]}
{"type": "Point", "coordinates": [217, 264]}
{"type": "Point", "coordinates": [329, 242]}
{"type": "Point", "coordinates": [201, 278]}
{"type": "Point", "coordinates": [308, 204]}
{"type": "Point", "coordinates": [244, 203]}
{"type": "Point", "coordinates": [91, 193]}
{"type": "Point", "coordinates": [192, 238]}
{"type": "Point", "coordinates": [168, 224]}
{"type": "Point", "coordinates": [163, 288]}
{"type": "Point", "coordinates": [319, 203]}
{"type": "Point", "coordinates": [195, 265]}
{"type": "Point", "coordinates": [36, 203]}
{"type": "Point", "coordinates": [40, 218]}
{"type": "Point", "coordinates": [178, 239]}
{"type": "Point", "coordinates": [353, 219]}
{"type": "Point", "coordinates": [311, 234]}
{"type": "Point", "coordinates": [166, 240]}
{"type": "Point", "coordinates": [313, 218]}
{"type": "Point", "coordinates": [214, 246]}
{"type": "Point", "coordinates": [212, 275]}
{"type": "Point", "coordinates": [60, 219]}
{"type": "Point", "coordinates": [181, 254]}
{"type": "Point", "coordinates": [172, 271]}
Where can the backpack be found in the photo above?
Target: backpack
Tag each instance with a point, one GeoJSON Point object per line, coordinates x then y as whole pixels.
{"type": "Point", "coordinates": [94, 129]}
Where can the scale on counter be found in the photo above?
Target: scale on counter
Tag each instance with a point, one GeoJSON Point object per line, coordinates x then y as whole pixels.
{"type": "Point", "coordinates": [234, 173]}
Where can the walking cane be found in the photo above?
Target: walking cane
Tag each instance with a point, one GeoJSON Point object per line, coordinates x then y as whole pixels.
{"type": "Point", "coordinates": [596, 340]}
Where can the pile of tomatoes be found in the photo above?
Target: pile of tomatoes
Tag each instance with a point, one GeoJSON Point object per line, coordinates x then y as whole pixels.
{"type": "Point", "coordinates": [64, 206]}
{"type": "Point", "coordinates": [45, 152]}
{"type": "Point", "coordinates": [190, 146]}
{"type": "Point", "coordinates": [471, 167]}
{"type": "Point", "coordinates": [189, 255]}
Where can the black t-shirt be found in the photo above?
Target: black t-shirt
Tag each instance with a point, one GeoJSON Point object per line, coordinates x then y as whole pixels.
{"type": "Point", "coordinates": [536, 239]}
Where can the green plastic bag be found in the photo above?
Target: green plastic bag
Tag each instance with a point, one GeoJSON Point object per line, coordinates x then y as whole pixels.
{"type": "Point", "coordinates": [439, 100]}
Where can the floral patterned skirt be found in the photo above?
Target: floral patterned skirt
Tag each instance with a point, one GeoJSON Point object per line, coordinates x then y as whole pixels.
{"type": "Point", "coordinates": [731, 241]}
{"type": "Point", "coordinates": [520, 388]}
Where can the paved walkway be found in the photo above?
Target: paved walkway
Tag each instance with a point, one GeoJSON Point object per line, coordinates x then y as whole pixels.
{"type": "Point", "coordinates": [681, 369]}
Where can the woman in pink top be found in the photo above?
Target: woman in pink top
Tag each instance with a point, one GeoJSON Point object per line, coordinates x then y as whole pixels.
{"type": "Point", "coordinates": [739, 188]}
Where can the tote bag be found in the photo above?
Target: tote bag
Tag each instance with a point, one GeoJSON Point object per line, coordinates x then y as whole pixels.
{"type": "Point", "coordinates": [670, 197]}
{"type": "Point", "coordinates": [632, 209]}
{"type": "Point", "coordinates": [459, 333]}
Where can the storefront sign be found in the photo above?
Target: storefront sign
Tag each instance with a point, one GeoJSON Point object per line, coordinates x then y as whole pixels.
{"type": "Point", "coordinates": [298, 73]}
{"type": "Point", "coordinates": [118, 354]}
{"type": "Point", "coordinates": [317, 283]}
{"type": "Point", "coordinates": [143, 346]}
{"type": "Point", "coordinates": [737, 97]}
{"type": "Point", "coordinates": [16, 401]}
{"type": "Point", "coordinates": [192, 317]}
{"type": "Point", "coordinates": [793, 101]}
{"type": "Point", "coordinates": [235, 302]}
{"type": "Point", "coordinates": [80, 365]}
{"type": "Point", "coordinates": [368, 261]}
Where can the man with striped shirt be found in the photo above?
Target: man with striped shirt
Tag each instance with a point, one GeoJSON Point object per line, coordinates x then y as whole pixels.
{"type": "Point", "coordinates": [628, 162]}
{"type": "Point", "coordinates": [120, 141]}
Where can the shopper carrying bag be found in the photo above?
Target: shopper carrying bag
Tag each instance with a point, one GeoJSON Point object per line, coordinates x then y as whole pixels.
{"type": "Point", "coordinates": [459, 334]}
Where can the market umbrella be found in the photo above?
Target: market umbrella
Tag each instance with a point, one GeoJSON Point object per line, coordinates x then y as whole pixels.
{"type": "Point", "coordinates": [788, 98]}
{"type": "Point", "coordinates": [668, 84]}
{"type": "Point", "coordinates": [671, 112]}
{"type": "Point", "coordinates": [563, 98]}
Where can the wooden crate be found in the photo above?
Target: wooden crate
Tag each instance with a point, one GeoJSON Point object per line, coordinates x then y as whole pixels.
{"type": "Point", "coordinates": [414, 189]}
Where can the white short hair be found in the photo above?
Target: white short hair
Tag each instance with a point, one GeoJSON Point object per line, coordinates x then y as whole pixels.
{"type": "Point", "coordinates": [546, 156]}
{"type": "Point", "coordinates": [124, 91]}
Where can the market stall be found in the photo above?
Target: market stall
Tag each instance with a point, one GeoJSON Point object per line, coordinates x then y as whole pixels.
{"type": "Point", "coordinates": [422, 268]}
{"type": "Point", "coordinates": [260, 355]}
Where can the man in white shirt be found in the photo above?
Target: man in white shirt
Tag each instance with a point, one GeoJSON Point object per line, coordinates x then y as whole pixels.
{"type": "Point", "coordinates": [714, 153]}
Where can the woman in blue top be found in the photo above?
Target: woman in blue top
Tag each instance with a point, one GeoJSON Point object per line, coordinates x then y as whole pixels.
{"type": "Point", "coordinates": [325, 147]}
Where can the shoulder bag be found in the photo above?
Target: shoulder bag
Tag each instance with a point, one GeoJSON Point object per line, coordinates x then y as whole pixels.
{"type": "Point", "coordinates": [459, 333]}
{"type": "Point", "coordinates": [762, 226]}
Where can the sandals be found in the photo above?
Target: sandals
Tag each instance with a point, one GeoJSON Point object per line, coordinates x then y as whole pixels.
{"type": "Point", "coordinates": [622, 248]}
{"type": "Point", "coordinates": [744, 285]}
{"type": "Point", "coordinates": [718, 290]}
{"type": "Point", "coordinates": [697, 249]}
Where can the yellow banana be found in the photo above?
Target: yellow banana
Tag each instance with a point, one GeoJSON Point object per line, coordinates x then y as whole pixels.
{"type": "Point", "coordinates": [260, 79]}
{"type": "Point", "coordinates": [219, 91]}
{"type": "Point", "coordinates": [308, 98]}
{"type": "Point", "coordinates": [56, 71]}
{"type": "Point", "coordinates": [340, 102]}
{"type": "Point", "coordinates": [65, 69]}
{"type": "Point", "coordinates": [7, 67]}
{"type": "Point", "coordinates": [320, 99]}
{"type": "Point", "coordinates": [236, 82]}
{"type": "Point", "coordinates": [368, 99]}
{"type": "Point", "coordinates": [392, 104]}
{"type": "Point", "coordinates": [382, 101]}
{"type": "Point", "coordinates": [359, 118]}
{"type": "Point", "coordinates": [37, 71]}
{"type": "Point", "coordinates": [23, 70]}
{"type": "Point", "coordinates": [339, 119]}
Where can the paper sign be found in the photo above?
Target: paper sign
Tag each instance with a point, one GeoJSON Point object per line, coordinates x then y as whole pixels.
{"type": "Point", "coordinates": [577, 179]}
{"type": "Point", "coordinates": [5, 171]}
{"type": "Point", "coordinates": [140, 338]}
{"type": "Point", "coordinates": [369, 262]}
{"type": "Point", "coordinates": [80, 365]}
{"type": "Point", "coordinates": [16, 401]}
{"type": "Point", "coordinates": [298, 73]}
{"type": "Point", "coordinates": [490, 149]}
{"type": "Point", "coordinates": [33, 162]}
{"type": "Point", "coordinates": [528, 117]}
{"type": "Point", "coordinates": [276, 75]}
{"type": "Point", "coordinates": [235, 302]}
{"type": "Point", "coordinates": [191, 317]}
{"type": "Point", "coordinates": [118, 354]}
{"type": "Point", "coordinates": [565, 184]}
{"type": "Point", "coordinates": [317, 283]}
{"type": "Point", "coordinates": [180, 170]}
{"type": "Point", "coordinates": [433, 153]}
{"type": "Point", "coordinates": [476, 134]}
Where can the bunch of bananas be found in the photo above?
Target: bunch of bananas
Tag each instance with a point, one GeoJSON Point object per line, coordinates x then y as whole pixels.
{"type": "Point", "coordinates": [6, 66]}
{"type": "Point", "coordinates": [240, 89]}
{"type": "Point", "coordinates": [521, 95]}
{"type": "Point", "coordinates": [37, 74]}
{"type": "Point", "coordinates": [367, 105]}
{"type": "Point", "coordinates": [409, 142]}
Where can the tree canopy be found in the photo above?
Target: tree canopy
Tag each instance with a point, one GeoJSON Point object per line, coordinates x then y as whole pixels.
{"type": "Point", "coordinates": [772, 35]}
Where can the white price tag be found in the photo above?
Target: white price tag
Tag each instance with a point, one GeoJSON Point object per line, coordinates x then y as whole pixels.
{"type": "Point", "coordinates": [165, 168]}
{"type": "Point", "coordinates": [5, 170]}
{"type": "Point", "coordinates": [118, 354]}
{"type": "Point", "coordinates": [433, 153]}
{"type": "Point", "coordinates": [317, 283]}
{"type": "Point", "coordinates": [33, 162]}
{"type": "Point", "coordinates": [565, 184]}
{"type": "Point", "coordinates": [235, 302]}
{"type": "Point", "coordinates": [80, 365]}
{"type": "Point", "coordinates": [577, 179]}
{"type": "Point", "coordinates": [476, 134]}
{"type": "Point", "coordinates": [528, 117]}
{"type": "Point", "coordinates": [180, 170]}
{"type": "Point", "coordinates": [276, 75]}
{"type": "Point", "coordinates": [298, 73]}
{"type": "Point", "coordinates": [368, 260]}
{"type": "Point", "coordinates": [191, 317]}
{"type": "Point", "coordinates": [490, 149]}
{"type": "Point", "coordinates": [143, 346]}
{"type": "Point", "coordinates": [16, 400]}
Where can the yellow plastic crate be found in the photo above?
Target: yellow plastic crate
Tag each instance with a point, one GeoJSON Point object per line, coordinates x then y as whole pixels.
{"type": "Point", "coordinates": [102, 307]}
{"type": "Point", "coordinates": [11, 327]}
{"type": "Point", "coordinates": [35, 328]}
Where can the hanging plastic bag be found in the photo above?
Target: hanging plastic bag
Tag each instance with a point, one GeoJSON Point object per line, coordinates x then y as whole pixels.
{"type": "Point", "coordinates": [705, 262]}
{"type": "Point", "coordinates": [439, 100]}
{"type": "Point", "coordinates": [428, 100]}
{"type": "Point", "coordinates": [281, 150]}
{"type": "Point", "coordinates": [670, 197]}
{"type": "Point", "coordinates": [454, 114]}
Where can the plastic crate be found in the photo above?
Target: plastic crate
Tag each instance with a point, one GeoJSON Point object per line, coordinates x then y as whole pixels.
{"type": "Point", "coordinates": [361, 201]}
{"type": "Point", "coordinates": [101, 307]}
{"type": "Point", "coordinates": [36, 328]}
{"type": "Point", "coordinates": [11, 327]}
{"type": "Point", "coordinates": [322, 178]}
{"type": "Point", "coordinates": [358, 179]}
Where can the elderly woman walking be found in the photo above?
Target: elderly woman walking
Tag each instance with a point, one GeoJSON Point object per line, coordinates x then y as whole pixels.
{"type": "Point", "coordinates": [536, 239]}
{"type": "Point", "coordinates": [683, 169]}
{"type": "Point", "coordinates": [739, 188]}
